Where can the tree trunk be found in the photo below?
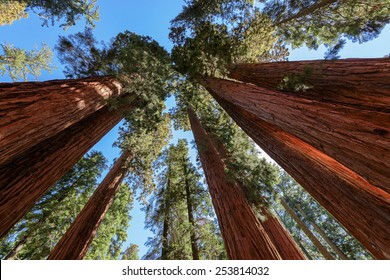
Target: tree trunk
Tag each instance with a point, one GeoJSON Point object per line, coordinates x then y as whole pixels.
{"type": "Point", "coordinates": [281, 238]}
{"type": "Point", "coordinates": [77, 239]}
{"type": "Point", "coordinates": [308, 10]}
{"type": "Point", "coordinates": [360, 207]}
{"type": "Point", "coordinates": [306, 230]}
{"type": "Point", "coordinates": [323, 234]}
{"type": "Point", "coordinates": [191, 220]}
{"type": "Point", "coordinates": [362, 83]}
{"type": "Point", "coordinates": [24, 180]}
{"type": "Point", "coordinates": [31, 112]}
{"type": "Point", "coordinates": [16, 249]}
{"type": "Point", "coordinates": [243, 235]}
{"type": "Point", "coordinates": [357, 138]}
{"type": "Point", "coordinates": [166, 222]}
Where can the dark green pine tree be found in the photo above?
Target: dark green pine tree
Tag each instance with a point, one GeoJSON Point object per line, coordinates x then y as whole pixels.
{"type": "Point", "coordinates": [180, 211]}
{"type": "Point", "coordinates": [313, 214]}
{"type": "Point", "coordinates": [37, 233]}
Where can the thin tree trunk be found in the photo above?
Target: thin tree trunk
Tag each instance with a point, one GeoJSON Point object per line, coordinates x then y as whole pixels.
{"type": "Point", "coordinates": [243, 235]}
{"type": "Point", "coordinates": [281, 238]}
{"type": "Point", "coordinates": [166, 222]}
{"type": "Point", "coordinates": [362, 83]}
{"type": "Point", "coordinates": [360, 207]}
{"type": "Point", "coordinates": [306, 230]}
{"type": "Point", "coordinates": [31, 112]}
{"type": "Point", "coordinates": [191, 220]}
{"type": "Point", "coordinates": [16, 249]}
{"type": "Point", "coordinates": [77, 239]}
{"type": "Point", "coordinates": [322, 233]}
{"type": "Point", "coordinates": [308, 10]}
{"type": "Point", "coordinates": [357, 138]}
{"type": "Point", "coordinates": [28, 177]}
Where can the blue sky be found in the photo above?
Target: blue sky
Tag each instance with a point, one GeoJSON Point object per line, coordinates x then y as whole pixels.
{"type": "Point", "coordinates": [145, 18]}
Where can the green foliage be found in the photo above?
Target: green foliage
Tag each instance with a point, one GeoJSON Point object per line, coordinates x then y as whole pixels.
{"type": "Point", "coordinates": [49, 219]}
{"type": "Point", "coordinates": [112, 232]}
{"type": "Point", "coordinates": [316, 24]}
{"type": "Point", "coordinates": [19, 63]}
{"type": "Point", "coordinates": [210, 35]}
{"type": "Point", "coordinates": [12, 10]}
{"type": "Point", "coordinates": [295, 194]}
{"type": "Point", "coordinates": [167, 212]}
{"type": "Point", "coordinates": [67, 12]}
{"type": "Point", "coordinates": [131, 253]}
{"type": "Point", "coordinates": [140, 63]}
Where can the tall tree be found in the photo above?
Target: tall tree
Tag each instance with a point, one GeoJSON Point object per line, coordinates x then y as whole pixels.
{"type": "Point", "coordinates": [35, 235]}
{"type": "Point", "coordinates": [254, 242]}
{"type": "Point", "coordinates": [77, 239]}
{"type": "Point", "coordinates": [112, 232]}
{"type": "Point", "coordinates": [316, 214]}
{"type": "Point", "coordinates": [180, 212]}
{"type": "Point", "coordinates": [23, 125]}
{"type": "Point", "coordinates": [146, 82]}
{"type": "Point", "coordinates": [344, 190]}
{"type": "Point", "coordinates": [131, 252]}
{"type": "Point", "coordinates": [352, 130]}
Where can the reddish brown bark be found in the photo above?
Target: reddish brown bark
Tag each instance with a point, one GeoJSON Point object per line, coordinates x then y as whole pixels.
{"type": "Point", "coordinates": [242, 232]}
{"type": "Point", "coordinates": [77, 239]}
{"type": "Point", "coordinates": [363, 209]}
{"type": "Point", "coordinates": [34, 111]}
{"type": "Point", "coordinates": [362, 83]}
{"type": "Point", "coordinates": [281, 238]}
{"type": "Point", "coordinates": [357, 138]}
{"type": "Point", "coordinates": [24, 180]}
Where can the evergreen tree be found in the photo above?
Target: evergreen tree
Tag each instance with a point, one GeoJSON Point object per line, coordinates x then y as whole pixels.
{"type": "Point", "coordinates": [297, 196]}
{"type": "Point", "coordinates": [37, 233]}
{"type": "Point", "coordinates": [131, 253]}
{"type": "Point", "coordinates": [112, 232]}
{"type": "Point", "coordinates": [19, 63]}
{"type": "Point", "coordinates": [12, 10]}
{"type": "Point", "coordinates": [179, 213]}
{"type": "Point", "coordinates": [67, 12]}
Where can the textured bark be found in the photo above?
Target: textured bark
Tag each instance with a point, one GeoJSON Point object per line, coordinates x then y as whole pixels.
{"type": "Point", "coordinates": [306, 230]}
{"type": "Point", "coordinates": [166, 222]}
{"type": "Point", "coordinates": [77, 239]}
{"type": "Point", "coordinates": [191, 220]}
{"type": "Point", "coordinates": [360, 207]}
{"type": "Point", "coordinates": [243, 235]}
{"type": "Point", "coordinates": [323, 234]}
{"type": "Point", "coordinates": [281, 238]}
{"type": "Point", "coordinates": [357, 138]}
{"type": "Point", "coordinates": [362, 83]}
{"type": "Point", "coordinates": [24, 180]}
{"type": "Point", "coordinates": [34, 111]}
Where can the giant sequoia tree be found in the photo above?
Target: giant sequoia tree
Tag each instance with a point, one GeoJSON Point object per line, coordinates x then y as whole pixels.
{"type": "Point", "coordinates": [248, 106]}
{"type": "Point", "coordinates": [41, 228]}
{"type": "Point", "coordinates": [85, 119]}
